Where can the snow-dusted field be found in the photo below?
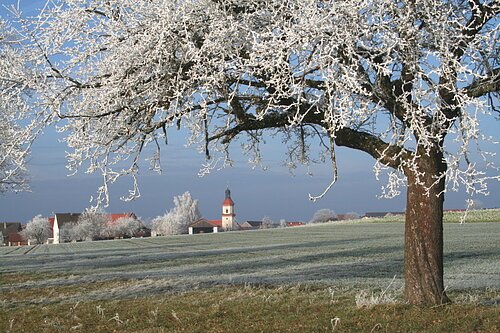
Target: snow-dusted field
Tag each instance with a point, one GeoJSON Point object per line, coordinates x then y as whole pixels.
{"type": "Point", "coordinates": [365, 255]}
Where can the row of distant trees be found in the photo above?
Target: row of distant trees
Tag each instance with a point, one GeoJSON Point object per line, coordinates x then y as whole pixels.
{"type": "Point", "coordinates": [95, 224]}
{"type": "Point", "coordinates": [91, 225]}
{"type": "Point", "coordinates": [186, 210]}
{"type": "Point", "coordinates": [327, 215]}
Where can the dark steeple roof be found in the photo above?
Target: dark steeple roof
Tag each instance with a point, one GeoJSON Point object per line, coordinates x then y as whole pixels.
{"type": "Point", "coordinates": [228, 201]}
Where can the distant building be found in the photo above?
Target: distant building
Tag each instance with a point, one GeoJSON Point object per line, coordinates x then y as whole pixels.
{"type": "Point", "coordinates": [251, 225]}
{"type": "Point", "coordinates": [57, 223]}
{"type": "Point", "coordinates": [228, 215]}
{"type": "Point", "coordinates": [226, 223]}
{"type": "Point", "coordinates": [382, 214]}
{"type": "Point", "coordinates": [294, 224]}
{"type": "Point", "coordinates": [115, 217]}
{"type": "Point", "coordinates": [203, 226]}
{"type": "Point", "coordinates": [10, 233]}
{"type": "Point", "coordinates": [347, 217]}
{"type": "Point", "coordinates": [61, 219]}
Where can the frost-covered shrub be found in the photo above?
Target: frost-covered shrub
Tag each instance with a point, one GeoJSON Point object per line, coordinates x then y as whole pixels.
{"type": "Point", "coordinates": [365, 299]}
{"type": "Point", "coordinates": [324, 215]}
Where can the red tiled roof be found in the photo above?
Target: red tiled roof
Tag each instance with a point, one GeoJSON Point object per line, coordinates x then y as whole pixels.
{"type": "Point", "coordinates": [115, 217]}
{"type": "Point", "coordinates": [217, 223]}
{"type": "Point", "coordinates": [73, 217]}
{"type": "Point", "coordinates": [294, 224]}
{"type": "Point", "coordinates": [206, 223]}
{"type": "Point", "coordinates": [228, 202]}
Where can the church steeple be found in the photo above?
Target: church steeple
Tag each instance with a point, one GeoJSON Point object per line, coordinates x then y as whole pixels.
{"type": "Point", "coordinates": [228, 212]}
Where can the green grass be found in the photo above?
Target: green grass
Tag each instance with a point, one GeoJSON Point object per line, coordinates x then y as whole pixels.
{"type": "Point", "coordinates": [283, 280]}
{"type": "Point", "coordinates": [248, 309]}
{"type": "Point", "coordinates": [473, 216]}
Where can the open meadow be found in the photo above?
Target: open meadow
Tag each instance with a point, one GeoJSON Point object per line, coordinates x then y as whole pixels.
{"type": "Point", "coordinates": [278, 280]}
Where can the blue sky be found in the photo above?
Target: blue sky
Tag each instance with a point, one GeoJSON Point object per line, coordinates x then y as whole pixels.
{"type": "Point", "coordinates": [274, 193]}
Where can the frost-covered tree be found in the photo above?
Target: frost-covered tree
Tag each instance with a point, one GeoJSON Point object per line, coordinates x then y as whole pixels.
{"type": "Point", "coordinates": [16, 132]}
{"type": "Point", "coordinates": [156, 225]}
{"type": "Point", "coordinates": [168, 224]}
{"type": "Point", "coordinates": [186, 208]}
{"type": "Point", "coordinates": [476, 204]}
{"type": "Point", "coordinates": [267, 223]}
{"type": "Point", "coordinates": [72, 232]}
{"type": "Point", "coordinates": [407, 82]}
{"type": "Point", "coordinates": [123, 227]}
{"type": "Point", "coordinates": [323, 215]}
{"type": "Point", "coordinates": [38, 229]}
{"type": "Point", "coordinates": [92, 224]}
{"type": "Point", "coordinates": [176, 220]}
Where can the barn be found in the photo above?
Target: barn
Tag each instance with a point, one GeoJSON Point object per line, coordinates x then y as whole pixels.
{"type": "Point", "coordinates": [203, 226]}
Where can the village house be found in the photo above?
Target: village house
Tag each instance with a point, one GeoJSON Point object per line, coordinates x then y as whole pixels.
{"type": "Point", "coordinates": [203, 226]}
{"type": "Point", "coordinates": [294, 224]}
{"type": "Point", "coordinates": [10, 234]}
{"type": "Point", "coordinates": [57, 223]}
{"type": "Point", "coordinates": [251, 225]}
{"type": "Point", "coordinates": [381, 214]}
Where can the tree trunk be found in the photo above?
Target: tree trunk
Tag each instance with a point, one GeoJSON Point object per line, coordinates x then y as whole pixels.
{"type": "Point", "coordinates": [424, 233]}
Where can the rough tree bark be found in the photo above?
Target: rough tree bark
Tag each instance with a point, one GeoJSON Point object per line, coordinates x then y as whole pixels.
{"type": "Point", "coordinates": [424, 232]}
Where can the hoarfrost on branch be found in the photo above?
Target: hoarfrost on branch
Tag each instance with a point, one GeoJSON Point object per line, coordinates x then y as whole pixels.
{"type": "Point", "coordinates": [396, 79]}
{"type": "Point", "coordinates": [19, 126]}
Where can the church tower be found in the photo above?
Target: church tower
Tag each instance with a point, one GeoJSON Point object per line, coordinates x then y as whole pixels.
{"type": "Point", "coordinates": [228, 212]}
